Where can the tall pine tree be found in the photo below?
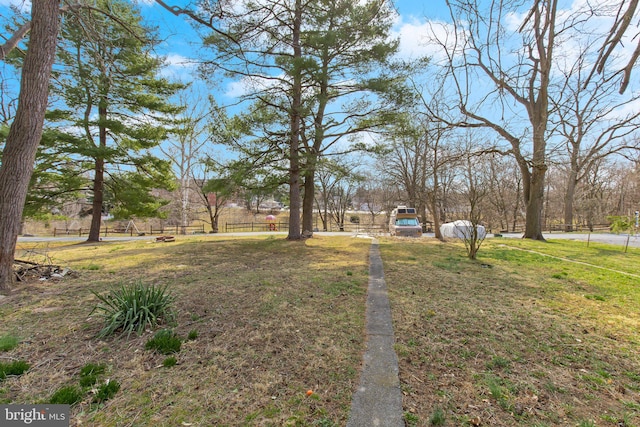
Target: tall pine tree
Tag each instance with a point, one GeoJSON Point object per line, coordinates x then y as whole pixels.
{"type": "Point", "coordinates": [319, 67]}
{"type": "Point", "coordinates": [116, 108]}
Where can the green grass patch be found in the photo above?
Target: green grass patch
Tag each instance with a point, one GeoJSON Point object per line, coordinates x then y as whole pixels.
{"type": "Point", "coordinates": [106, 391]}
{"type": "Point", "coordinates": [410, 419]}
{"type": "Point", "coordinates": [498, 363]}
{"type": "Point", "coordinates": [90, 373]}
{"type": "Point", "coordinates": [451, 264]}
{"type": "Point", "coordinates": [67, 395]}
{"type": "Point", "coordinates": [562, 275]}
{"type": "Point", "coordinates": [14, 368]}
{"type": "Point", "coordinates": [165, 342]}
{"type": "Point", "coordinates": [566, 316]}
{"type": "Point", "coordinates": [169, 362]}
{"type": "Point", "coordinates": [8, 342]}
{"type": "Point", "coordinates": [344, 288]}
{"type": "Point", "coordinates": [438, 417]}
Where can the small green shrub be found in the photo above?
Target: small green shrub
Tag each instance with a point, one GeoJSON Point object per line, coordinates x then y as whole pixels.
{"type": "Point", "coordinates": [93, 369]}
{"type": "Point", "coordinates": [193, 334]}
{"type": "Point", "coordinates": [134, 308]}
{"type": "Point", "coordinates": [164, 341]}
{"type": "Point", "coordinates": [169, 362]}
{"type": "Point", "coordinates": [14, 368]}
{"type": "Point", "coordinates": [68, 395]}
{"type": "Point", "coordinates": [106, 391]}
{"type": "Point", "coordinates": [8, 342]}
{"type": "Point", "coordinates": [88, 380]}
{"type": "Point", "coordinates": [89, 374]}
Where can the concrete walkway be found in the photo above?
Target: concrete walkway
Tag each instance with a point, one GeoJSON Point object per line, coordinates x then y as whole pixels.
{"type": "Point", "coordinates": [378, 399]}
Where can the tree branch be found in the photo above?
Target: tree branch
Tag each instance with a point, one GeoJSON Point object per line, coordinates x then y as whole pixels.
{"type": "Point", "coordinates": [14, 40]}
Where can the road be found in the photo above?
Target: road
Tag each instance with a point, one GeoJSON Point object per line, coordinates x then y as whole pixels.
{"type": "Point", "coordinates": [610, 238]}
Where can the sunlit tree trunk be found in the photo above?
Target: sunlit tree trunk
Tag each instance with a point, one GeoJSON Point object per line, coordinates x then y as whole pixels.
{"type": "Point", "coordinates": [98, 180]}
{"type": "Point", "coordinates": [26, 130]}
{"type": "Point", "coordinates": [296, 117]}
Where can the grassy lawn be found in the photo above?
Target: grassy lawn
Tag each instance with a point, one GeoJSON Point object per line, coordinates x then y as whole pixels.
{"type": "Point", "coordinates": [530, 334]}
{"type": "Point", "coordinates": [269, 319]}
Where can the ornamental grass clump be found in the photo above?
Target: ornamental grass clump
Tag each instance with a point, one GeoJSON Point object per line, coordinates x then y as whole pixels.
{"type": "Point", "coordinates": [134, 308]}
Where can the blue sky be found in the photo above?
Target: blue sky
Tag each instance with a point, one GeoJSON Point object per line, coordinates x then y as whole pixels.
{"type": "Point", "coordinates": [181, 41]}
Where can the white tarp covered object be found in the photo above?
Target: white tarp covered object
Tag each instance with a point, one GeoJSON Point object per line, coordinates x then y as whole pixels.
{"type": "Point", "coordinates": [461, 229]}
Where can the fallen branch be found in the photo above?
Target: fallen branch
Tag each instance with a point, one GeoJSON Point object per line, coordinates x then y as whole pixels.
{"type": "Point", "coordinates": [24, 269]}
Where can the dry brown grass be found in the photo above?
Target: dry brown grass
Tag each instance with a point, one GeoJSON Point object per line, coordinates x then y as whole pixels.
{"type": "Point", "coordinates": [514, 339]}
{"type": "Point", "coordinates": [274, 319]}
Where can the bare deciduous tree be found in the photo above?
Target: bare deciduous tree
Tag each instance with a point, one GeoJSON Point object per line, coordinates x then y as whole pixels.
{"type": "Point", "coordinates": [493, 73]}
{"type": "Point", "coordinates": [186, 148]}
{"type": "Point", "coordinates": [592, 121]}
{"type": "Point", "coordinates": [620, 28]}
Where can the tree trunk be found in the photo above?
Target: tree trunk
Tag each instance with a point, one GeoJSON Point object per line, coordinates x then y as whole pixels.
{"type": "Point", "coordinates": [294, 147]}
{"type": "Point", "coordinates": [98, 196]}
{"type": "Point", "coordinates": [214, 222]}
{"type": "Point", "coordinates": [309, 197]}
{"type": "Point", "coordinates": [516, 209]}
{"type": "Point", "coordinates": [568, 201]}
{"type": "Point", "coordinates": [434, 205]}
{"type": "Point", "coordinates": [533, 224]}
{"type": "Point", "coordinates": [98, 180]}
{"type": "Point", "coordinates": [313, 153]}
{"type": "Point", "coordinates": [26, 130]}
{"type": "Point", "coordinates": [436, 217]}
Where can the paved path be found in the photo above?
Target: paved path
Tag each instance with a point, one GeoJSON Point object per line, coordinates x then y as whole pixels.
{"type": "Point", "coordinates": [378, 399]}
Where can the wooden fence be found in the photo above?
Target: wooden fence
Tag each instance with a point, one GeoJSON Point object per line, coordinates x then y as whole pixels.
{"type": "Point", "coordinates": [131, 231]}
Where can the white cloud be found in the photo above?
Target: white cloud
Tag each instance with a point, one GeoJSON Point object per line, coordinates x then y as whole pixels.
{"type": "Point", "coordinates": [246, 85]}
{"type": "Point", "coordinates": [423, 38]}
{"type": "Point", "coordinates": [178, 67]}
{"type": "Point", "coordinates": [177, 60]}
{"type": "Point", "coordinates": [236, 89]}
